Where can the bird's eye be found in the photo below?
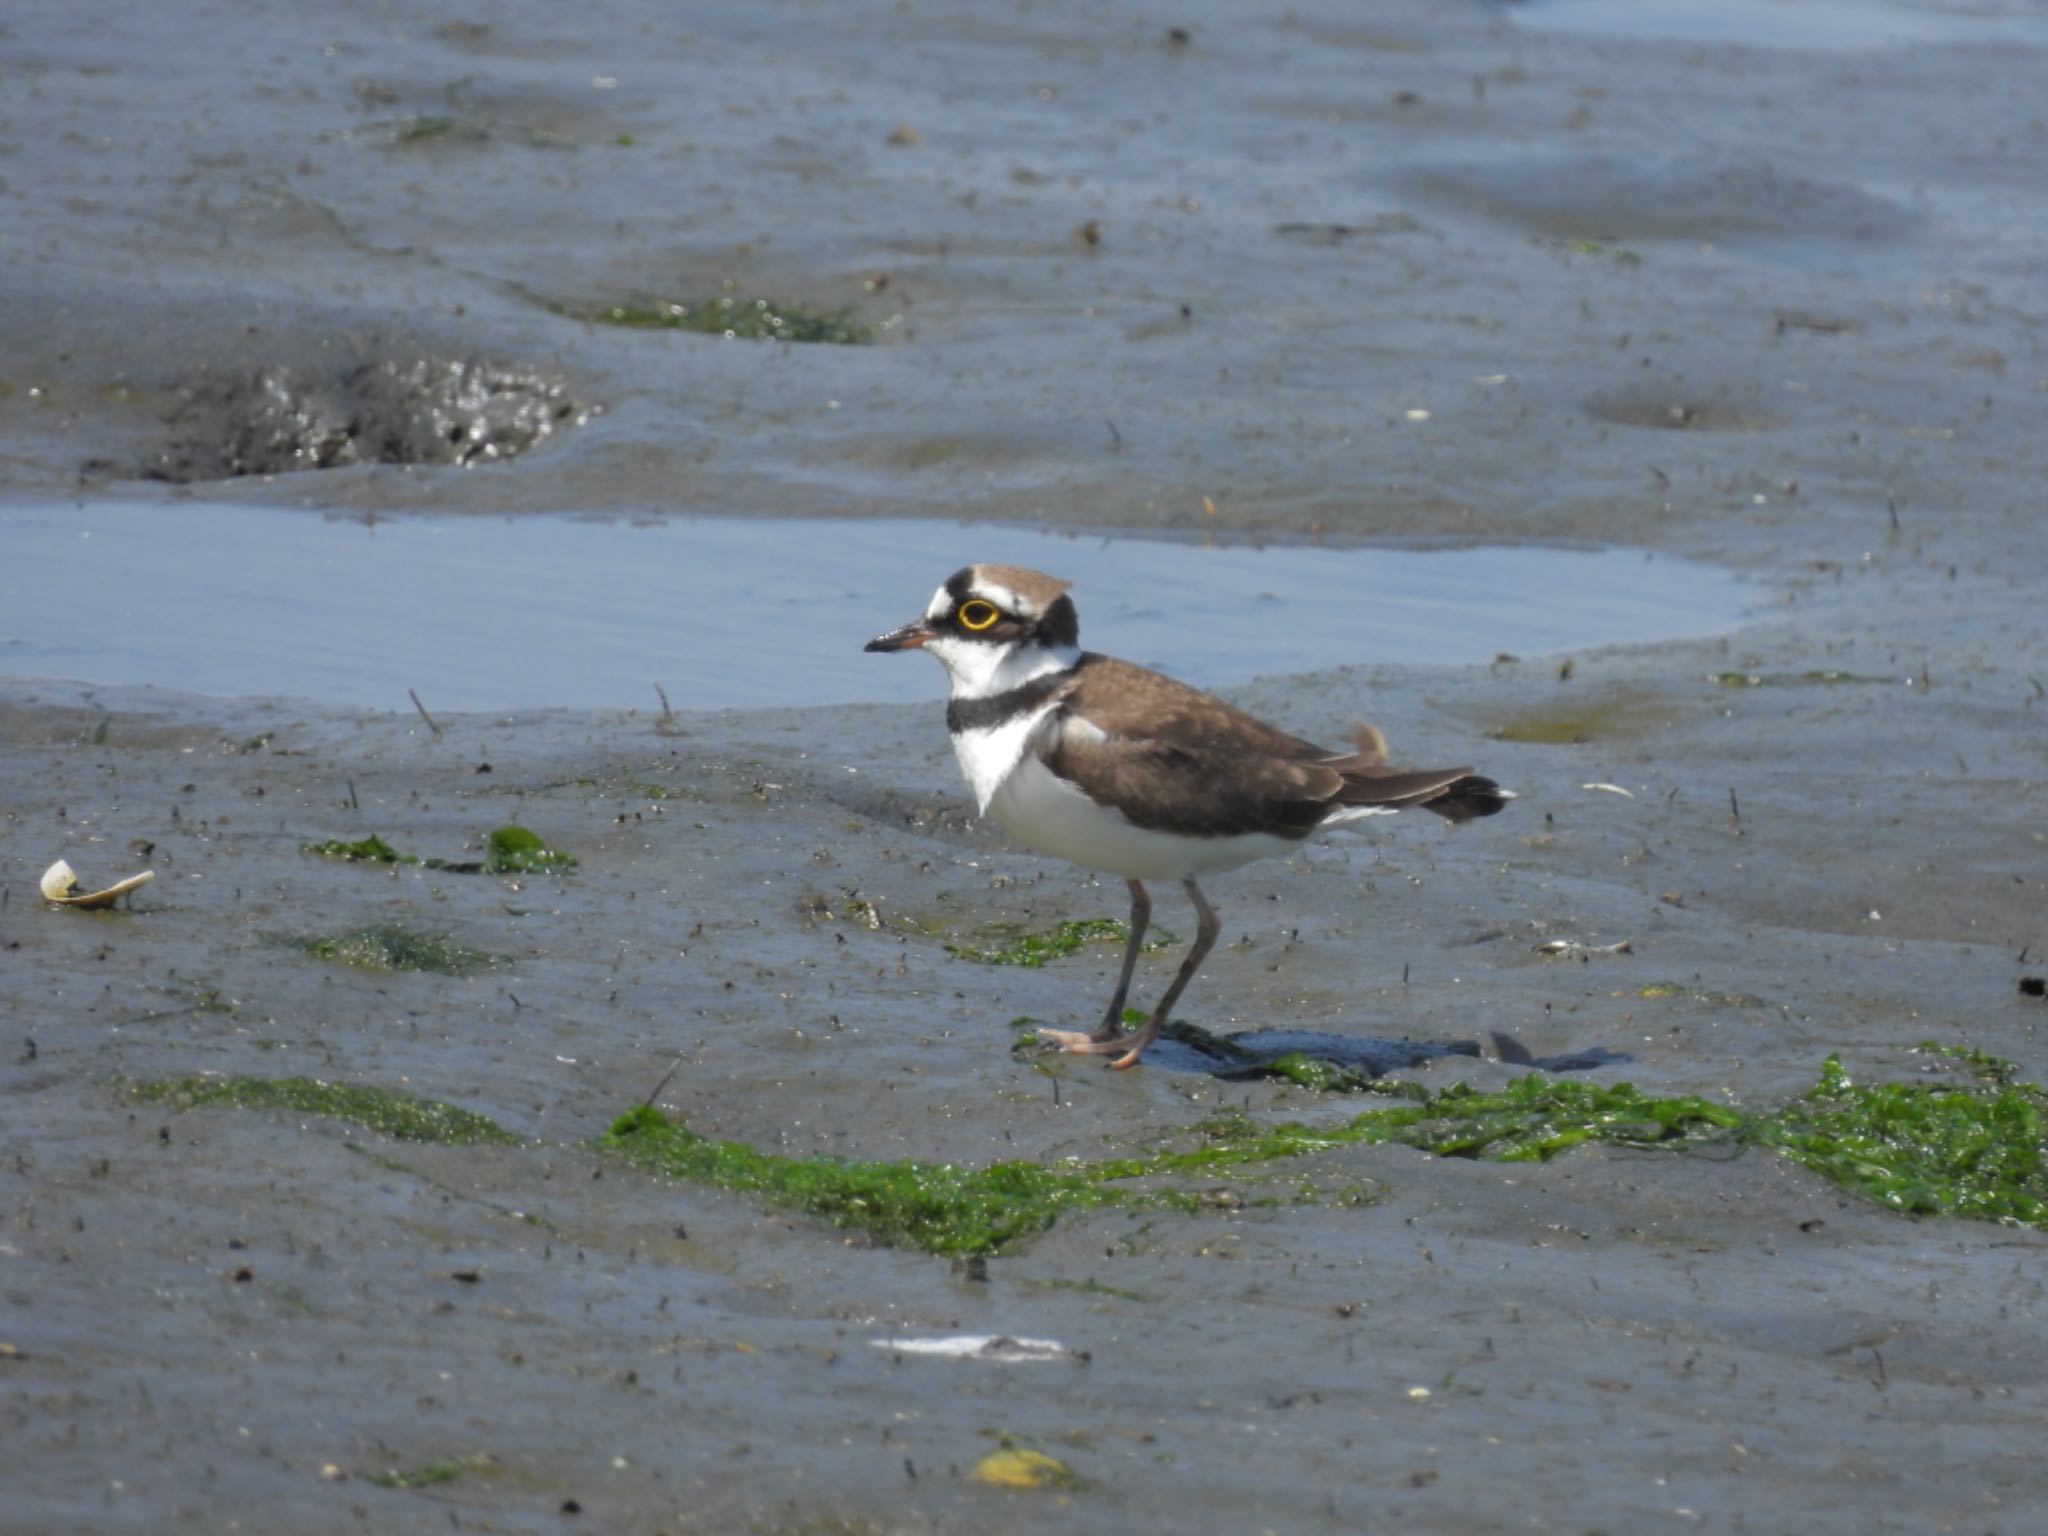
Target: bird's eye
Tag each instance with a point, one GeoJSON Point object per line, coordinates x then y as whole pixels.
{"type": "Point", "coordinates": [976, 615]}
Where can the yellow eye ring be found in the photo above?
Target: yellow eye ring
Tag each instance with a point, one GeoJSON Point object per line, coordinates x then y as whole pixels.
{"type": "Point", "coordinates": [976, 615]}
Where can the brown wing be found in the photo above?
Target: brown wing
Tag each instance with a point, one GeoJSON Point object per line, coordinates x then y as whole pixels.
{"type": "Point", "coordinates": [1137, 703]}
{"type": "Point", "coordinates": [1166, 787]}
{"type": "Point", "coordinates": [1175, 759]}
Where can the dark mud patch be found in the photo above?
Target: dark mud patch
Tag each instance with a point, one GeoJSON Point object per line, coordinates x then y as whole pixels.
{"type": "Point", "coordinates": [1678, 411]}
{"type": "Point", "coordinates": [475, 110]}
{"type": "Point", "coordinates": [284, 418]}
{"type": "Point", "coordinates": [389, 947]}
{"type": "Point", "coordinates": [1597, 198]}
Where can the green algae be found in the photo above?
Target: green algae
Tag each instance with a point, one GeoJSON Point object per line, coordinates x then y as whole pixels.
{"type": "Point", "coordinates": [1984, 1066]}
{"type": "Point", "coordinates": [1311, 1072]}
{"type": "Point", "coordinates": [1928, 1149]}
{"type": "Point", "coordinates": [741, 319]}
{"type": "Point", "coordinates": [435, 1473]}
{"type": "Point", "coordinates": [1707, 995]}
{"type": "Point", "coordinates": [365, 850]}
{"type": "Point", "coordinates": [1822, 676]}
{"type": "Point", "coordinates": [401, 1116]}
{"type": "Point", "coordinates": [1534, 1118]}
{"type": "Point", "coordinates": [1088, 1287]}
{"type": "Point", "coordinates": [389, 947]}
{"type": "Point", "coordinates": [1235, 1064]}
{"type": "Point", "coordinates": [507, 851]}
{"type": "Point", "coordinates": [1614, 715]}
{"type": "Point", "coordinates": [1620, 255]}
{"type": "Point", "coordinates": [1972, 1150]}
{"type": "Point", "coordinates": [948, 1209]}
{"type": "Point", "coordinates": [1010, 944]}
{"type": "Point", "coordinates": [516, 850]}
{"type": "Point", "coordinates": [421, 130]}
{"type": "Point", "coordinates": [939, 1207]}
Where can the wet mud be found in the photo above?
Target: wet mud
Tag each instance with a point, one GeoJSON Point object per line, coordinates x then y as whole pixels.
{"type": "Point", "coordinates": [293, 1241]}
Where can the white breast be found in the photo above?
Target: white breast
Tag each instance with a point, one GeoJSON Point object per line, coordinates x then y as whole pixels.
{"type": "Point", "coordinates": [1046, 813]}
{"type": "Point", "coordinates": [990, 757]}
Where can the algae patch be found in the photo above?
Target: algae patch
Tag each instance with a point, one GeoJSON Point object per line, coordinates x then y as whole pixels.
{"type": "Point", "coordinates": [741, 319]}
{"type": "Point", "coordinates": [1534, 1118]}
{"type": "Point", "coordinates": [515, 850]}
{"type": "Point", "coordinates": [507, 851]}
{"type": "Point", "coordinates": [389, 947]}
{"type": "Point", "coordinates": [1010, 944]}
{"type": "Point", "coordinates": [1984, 1066]}
{"type": "Point", "coordinates": [1822, 677]}
{"type": "Point", "coordinates": [945, 1208]}
{"type": "Point", "coordinates": [1707, 995]}
{"type": "Point", "coordinates": [1971, 1149]}
{"type": "Point", "coordinates": [435, 1474]}
{"type": "Point", "coordinates": [365, 850]}
{"type": "Point", "coordinates": [401, 1116]}
{"type": "Point", "coordinates": [1613, 716]}
{"type": "Point", "coordinates": [939, 1207]}
{"type": "Point", "coordinates": [1928, 1149]}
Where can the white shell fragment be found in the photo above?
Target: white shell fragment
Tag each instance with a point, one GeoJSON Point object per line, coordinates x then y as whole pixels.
{"type": "Point", "coordinates": [1574, 947]}
{"type": "Point", "coordinates": [60, 885]}
{"type": "Point", "coordinates": [1001, 1349]}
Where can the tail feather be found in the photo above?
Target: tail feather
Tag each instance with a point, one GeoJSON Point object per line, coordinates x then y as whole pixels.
{"type": "Point", "coordinates": [1456, 794]}
{"type": "Point", "coordinates": [1470, 797]}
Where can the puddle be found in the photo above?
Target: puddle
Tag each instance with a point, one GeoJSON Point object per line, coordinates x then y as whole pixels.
{"type": "Point", "coordinates": [1838, 25]}
{"type": "Point", "coordinates": [532, 612]}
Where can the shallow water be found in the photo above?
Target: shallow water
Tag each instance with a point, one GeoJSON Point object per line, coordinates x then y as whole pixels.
{"type": "Point", "coordinates": [1834, 25]}
{"type": "Point", "coordinates": [535, 612]}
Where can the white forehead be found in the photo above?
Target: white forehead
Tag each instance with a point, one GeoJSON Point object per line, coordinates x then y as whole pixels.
{"type": "Point", "coordinates": [1002, 596]}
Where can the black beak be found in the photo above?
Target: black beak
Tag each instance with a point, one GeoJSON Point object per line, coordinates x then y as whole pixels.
{"type": "Point", "coordinates": [908, 638]}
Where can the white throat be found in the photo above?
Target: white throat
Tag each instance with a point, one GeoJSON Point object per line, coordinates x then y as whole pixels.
{"type": "Point", "coordinates": [989, 754]}
{"type": "Point", "coordinates": [979, 670]}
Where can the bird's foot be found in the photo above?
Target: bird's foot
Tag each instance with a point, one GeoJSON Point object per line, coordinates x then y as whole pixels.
{"type": "Point", "coordinates": [1079, 1042]}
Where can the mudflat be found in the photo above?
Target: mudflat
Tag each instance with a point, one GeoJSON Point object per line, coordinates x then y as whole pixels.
{"type": "Point", "coordinates": [330, 1197]}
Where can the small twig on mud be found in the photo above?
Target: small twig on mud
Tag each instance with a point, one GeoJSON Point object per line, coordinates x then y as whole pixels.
{"type": "Point", "coordinates": [416, 704]}
{"type": "Point", "coordinates": [648, 1102]}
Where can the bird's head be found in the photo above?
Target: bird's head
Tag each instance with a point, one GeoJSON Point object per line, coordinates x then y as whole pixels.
{"type": "Point", "coordinates": [984, 615]}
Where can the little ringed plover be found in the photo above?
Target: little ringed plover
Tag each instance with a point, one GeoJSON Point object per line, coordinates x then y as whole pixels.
{"type": "Point", "coordinates": [1120, 769]}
